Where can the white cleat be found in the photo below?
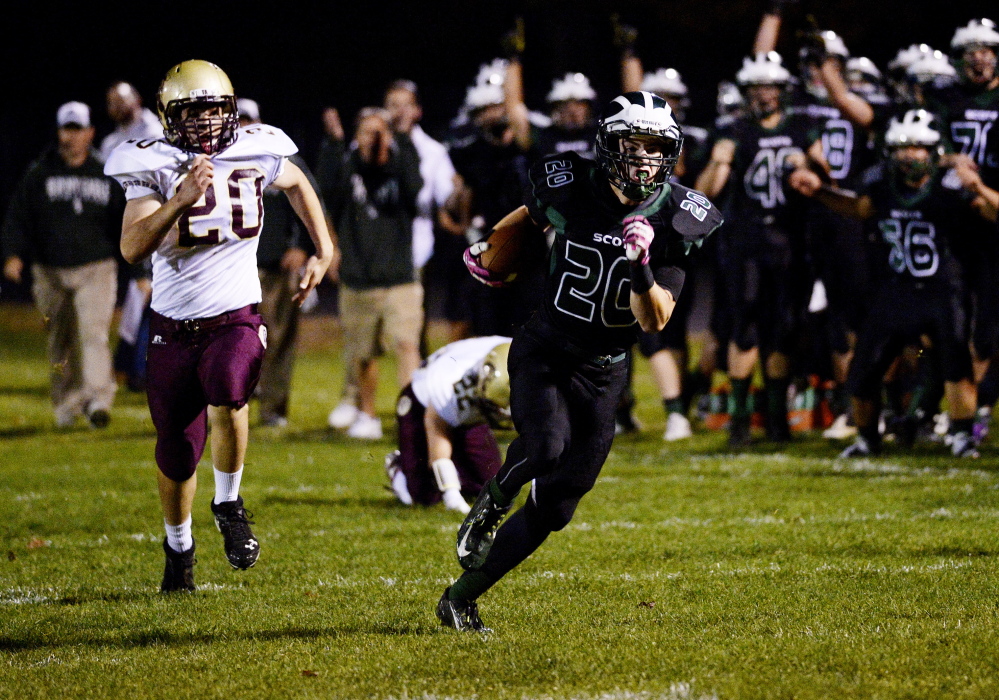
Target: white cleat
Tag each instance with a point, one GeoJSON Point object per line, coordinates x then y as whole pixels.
{"type": "Point", "coordinates": [840, 429]}
{"type": "Point", "coordinates": [365, 427]}
{"type": "Point", "coordinates": [343, 416]}
{"type": "Point", "coordinates": [677, 428]}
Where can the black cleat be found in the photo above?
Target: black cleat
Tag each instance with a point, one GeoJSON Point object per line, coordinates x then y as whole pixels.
{"type": "Point", "coordinates": [475, 536]}
{"type": "Point", "coordinates": [178, 576]}
{"type": "Point", "coordinates": [462, 615]}
{"type": "Point", "coordinates": [241, 547]}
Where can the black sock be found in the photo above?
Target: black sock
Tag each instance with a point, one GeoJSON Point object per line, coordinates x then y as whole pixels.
{"type": "Point", "coordinates": [674, 406]}
{"type": "Point", "coordinates": [776, 390]}
{"type": "Point", "coordinates": [470, 586]}
{"type": "Point", "coordinates": [739, 399]}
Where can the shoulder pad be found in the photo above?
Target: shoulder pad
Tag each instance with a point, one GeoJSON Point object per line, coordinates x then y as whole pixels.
{"type": "Point", "coordinates": [554, 178]}
{"type": "Point", "coordinates": [694, 217]}
{"type": "Point", "coordinates": [260, 140]}
{"type": "Point", "coordinates": [135, 156]}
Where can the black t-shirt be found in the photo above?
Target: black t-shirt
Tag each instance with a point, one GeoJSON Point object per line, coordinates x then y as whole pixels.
{"type": "Point", "coordinates": [587, 291]}
{"type": "Point", "coordinates": [915, 229]}
{"type": "Point", "coordinates": [759, 168]}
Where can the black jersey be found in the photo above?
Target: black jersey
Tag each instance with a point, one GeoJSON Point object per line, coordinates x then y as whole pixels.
{"type": "Point", "coordinates": [757, 183]}
{"type": "Point", "coordinates": [916, 229]}
{"type": "Point", "coordinates": [846, 147]}
{"type": "Point", "coordinates": [587, 292]}
{"type": "Point", "coordinates": [971, 117]}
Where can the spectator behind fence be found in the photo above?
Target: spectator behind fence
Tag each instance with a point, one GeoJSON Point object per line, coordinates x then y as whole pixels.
{"type": "Point", "coordinates": [65, 217]}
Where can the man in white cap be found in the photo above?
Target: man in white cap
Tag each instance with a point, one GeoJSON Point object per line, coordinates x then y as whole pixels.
{"type": "Point", "coordinates": [64, 219]}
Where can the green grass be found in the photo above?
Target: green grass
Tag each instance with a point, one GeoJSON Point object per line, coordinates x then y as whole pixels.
{"type": "Point", "coordinates": [687, 573]}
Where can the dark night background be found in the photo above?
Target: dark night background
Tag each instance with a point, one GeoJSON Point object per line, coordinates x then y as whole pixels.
{"type": "Point", "coordinates": [296, 58]}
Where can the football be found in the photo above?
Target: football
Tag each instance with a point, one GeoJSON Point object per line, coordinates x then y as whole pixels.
{"type": "Point", "coordinates": [504, 256]}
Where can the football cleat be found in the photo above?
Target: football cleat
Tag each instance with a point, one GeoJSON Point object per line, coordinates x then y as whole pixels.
{"type": "Point", "coordinates": [461, 615]}
{"type": "Point", "coordinates": [178, 575]}
{"type": "Point", "coordinates": [962, 444]}
{"type": "Point", "coordinates": [475, 536]}
{"type": "Point", "coordinates": [233, 521]}
{"type": "Point", "coordinates": [677, 428]}
{"type": "Point", "coordinates": [859, 448]}
{"type": "Point", "coordinates": [397, 480]}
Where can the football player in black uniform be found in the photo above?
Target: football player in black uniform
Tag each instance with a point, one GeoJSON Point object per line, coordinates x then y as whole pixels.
{"type": "Point", "coordinates": [623, 238]}
{"type": "Point", "coordinates": [762, 251]}
{"type": "Point", "coordinates": [970, 109]}
{"type": "Point", "coordinates": [907, 200]}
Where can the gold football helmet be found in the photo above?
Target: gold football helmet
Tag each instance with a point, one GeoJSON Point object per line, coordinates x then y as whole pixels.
{"type": "Point", "coordinates": [494, 387]}
{"type": "Point", "coordinates": [197, 107]}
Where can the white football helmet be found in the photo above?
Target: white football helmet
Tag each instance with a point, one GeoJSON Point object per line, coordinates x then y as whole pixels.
{"type": "Point", "coordinates": [914, 129]}
{"type": "Point", "coordinates": [978, 32]}
{"type": "Point", "coordinates": [763, 69]}
{"type": "Point", "coordinates": [667, 83]}
{"type": "Point", "coordinates": [636, 114]}
{"type": "Point", "coordinates": [933, 68]}
{"type": "Point", "coordinates": [573, 86]}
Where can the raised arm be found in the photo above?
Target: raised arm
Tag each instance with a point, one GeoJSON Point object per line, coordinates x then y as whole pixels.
{"type": "Point", "coordinates": [712, 179]}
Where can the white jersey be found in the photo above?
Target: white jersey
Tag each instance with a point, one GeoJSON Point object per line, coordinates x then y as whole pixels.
{"type": "Point", "coordinates": [147, 126]}
{"type": "Point", "coordinates": [448, 378]}
{"type": "Point", "coordinates": [207, 264]}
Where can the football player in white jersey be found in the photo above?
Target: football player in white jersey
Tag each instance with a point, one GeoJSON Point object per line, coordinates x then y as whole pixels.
{"type": "Point", "coordinates": [194, 203]}
{"type": "Point", "coordinates": [445, 417]}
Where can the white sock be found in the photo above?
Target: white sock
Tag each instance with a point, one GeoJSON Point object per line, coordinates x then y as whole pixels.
{"type": "Point", "coordinates": [179, 537]}
{"type": "Point", "coordinates": [227, 485]}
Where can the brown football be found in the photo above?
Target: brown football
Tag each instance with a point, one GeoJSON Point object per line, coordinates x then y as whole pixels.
{"type": "Point", "coordinates": [504, 256]}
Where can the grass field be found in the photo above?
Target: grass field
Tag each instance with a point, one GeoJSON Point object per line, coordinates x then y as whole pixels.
{"type": "Point", "coordinates": [689, 572]}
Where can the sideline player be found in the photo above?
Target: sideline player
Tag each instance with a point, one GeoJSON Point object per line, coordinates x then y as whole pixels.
{"type": "Point", "coordinates": [622, 243]}
{"type": "Point", "coordinates": [445, 415]}
{"type": "Point", "coordinates": [918, 213]}
{"type": "Point", "coordinates": [195, 205]}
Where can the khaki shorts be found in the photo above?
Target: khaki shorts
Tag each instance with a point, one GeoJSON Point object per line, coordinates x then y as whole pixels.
{"type": "Point", "coordinates": [375, 320]}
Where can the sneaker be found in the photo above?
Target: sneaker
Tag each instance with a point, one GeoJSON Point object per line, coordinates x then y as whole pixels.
{"type": "Point", "coordinates": [677, 427]}
{"type": "Point", "coordinates": [462, 615]}
{"type": "Point", "coordinates": [178, 575]}
{"type": "Point", "coordinates": [841, 429]}
{"type": "Point", "coordinates": [475, 536]}
{"type": "Point", "coordinates": [241, 547]}
{"type": "Point", "coordinates": [859, 448]}
{"type": "Point", "coordinates": [365, 427]}
{"type": "Point", "coordinates": [738, 433]}
{"type": "Point", "coordinates": [343, 415]}
{"type": "Point", "coordinates": [397, 480]}
{"type": "Point", "coordinates": [963, 445]}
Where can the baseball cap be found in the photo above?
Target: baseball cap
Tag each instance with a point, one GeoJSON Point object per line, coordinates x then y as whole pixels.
{"type": "Point", "coordinates": [248, 109]}
{"type": "Point", "coordinates": [73, 113]}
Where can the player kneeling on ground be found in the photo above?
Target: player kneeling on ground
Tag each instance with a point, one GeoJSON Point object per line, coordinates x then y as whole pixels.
{"type": "Point", "coordinates": [445, 415]}
{"type": "Point", "coordinates": [195, 205]}
{"type": "Point", "coordinates": [917, 214]}
{"type": "Point", "coordinates": [623, 238]}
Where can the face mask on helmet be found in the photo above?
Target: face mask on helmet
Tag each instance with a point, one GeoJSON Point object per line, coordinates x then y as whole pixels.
{"type": "Point", "coordinates": [913, 147]}
{"type": "Point", "coordinates": [765, 81]}
{"type": "Point", "coordinates": [493, 389]}
{"type": "Point", "coordinates": [198, 108]}
{"type": "Point", "coordinates": [638, 144]}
